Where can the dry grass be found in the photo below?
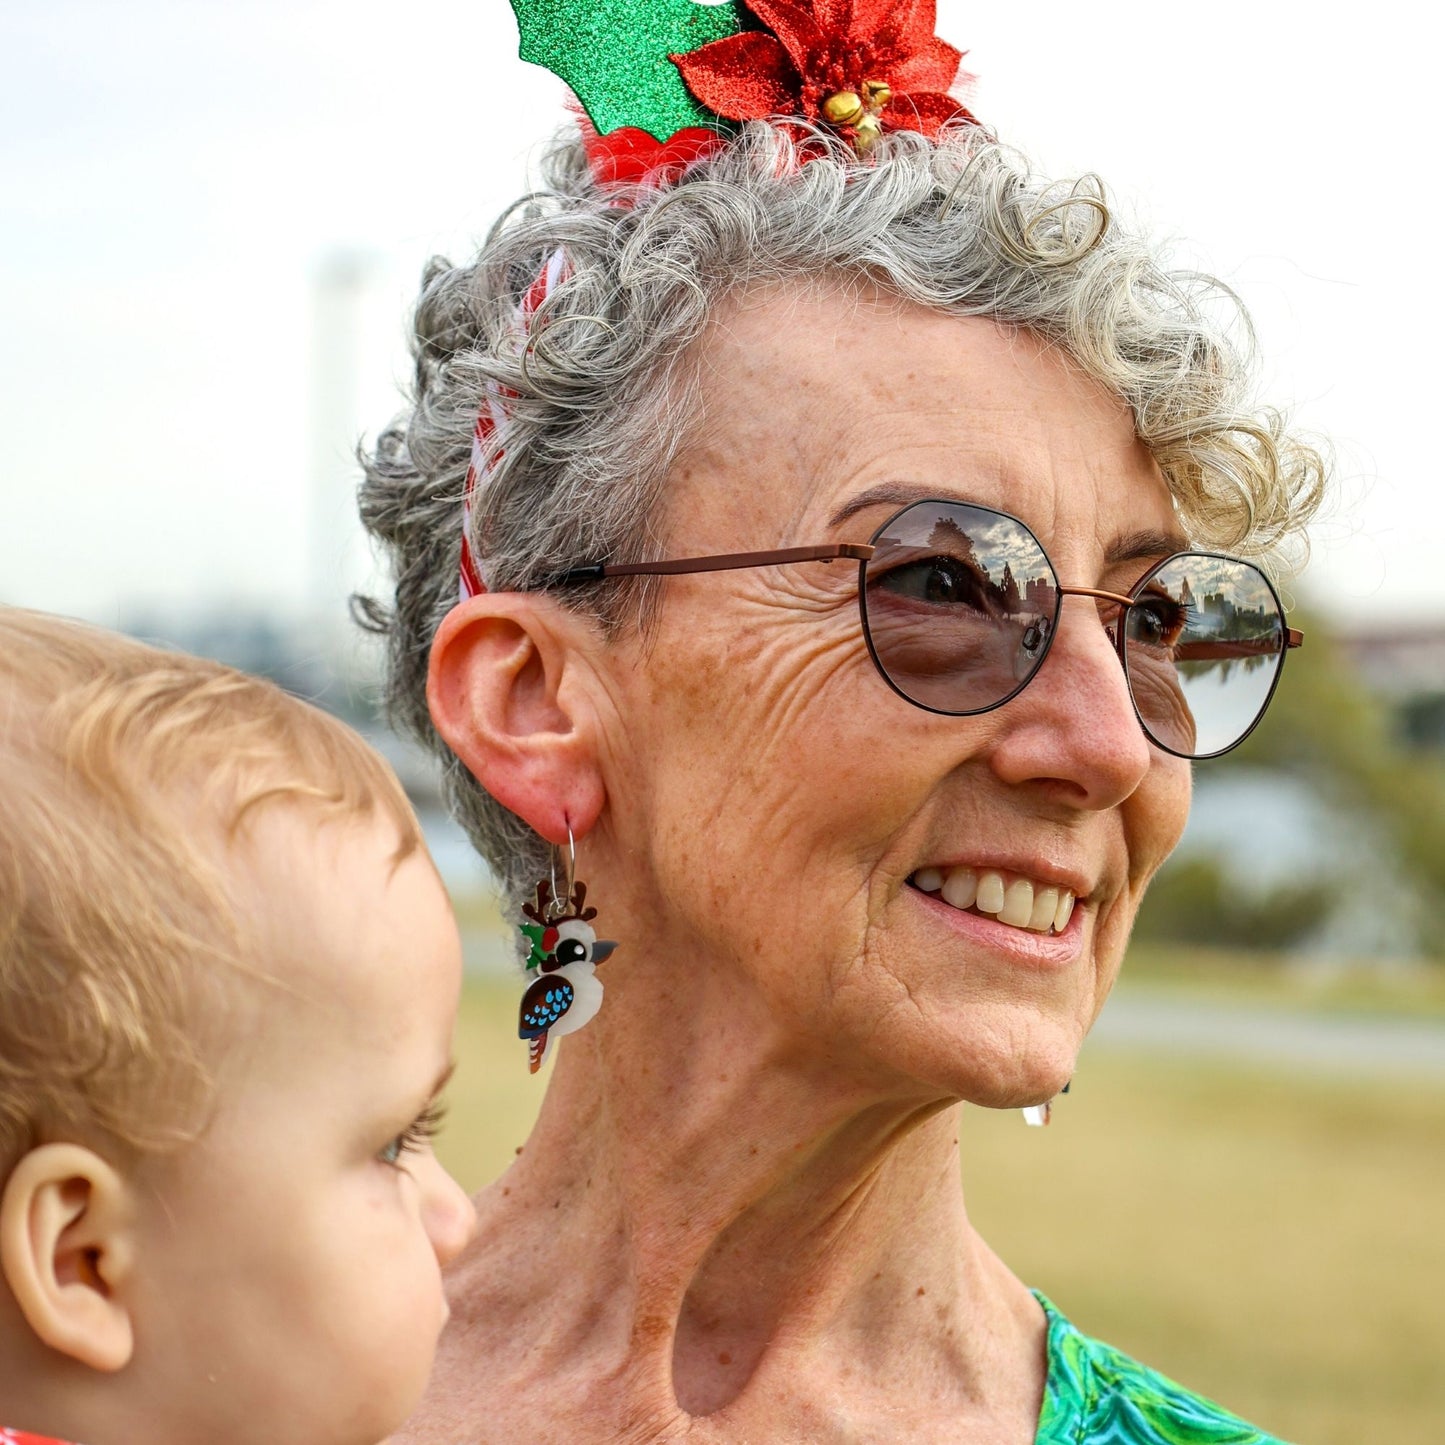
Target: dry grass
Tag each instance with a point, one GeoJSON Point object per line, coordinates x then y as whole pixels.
{"type": "Point", "coordinates": [1371, 987]}
{"type": "Point", "coordinates": [1274, 1242]}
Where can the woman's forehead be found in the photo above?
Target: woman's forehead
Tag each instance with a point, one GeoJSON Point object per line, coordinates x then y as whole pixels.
{"type": "Point", "coordinates": [819, 407]}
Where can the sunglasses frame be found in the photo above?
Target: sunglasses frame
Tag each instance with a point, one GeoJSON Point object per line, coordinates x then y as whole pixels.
{"type": "Point", "coordinates": [863, 552]}
{"type": "Point", "coordinates": [1290, 636]}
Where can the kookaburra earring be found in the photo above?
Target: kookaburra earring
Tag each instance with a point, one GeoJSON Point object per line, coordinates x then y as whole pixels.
{"type": "Point", "coordinates": [562, 951]}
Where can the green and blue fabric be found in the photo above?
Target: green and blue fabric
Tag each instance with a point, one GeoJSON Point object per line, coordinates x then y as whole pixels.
{"type": "Point", "coordinates": [1096, 1395]}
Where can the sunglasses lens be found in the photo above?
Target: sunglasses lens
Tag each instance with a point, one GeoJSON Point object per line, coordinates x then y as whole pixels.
{"type": "Point", "coordinates": [959, 604]}
{"type": "Point", "coordinates": [1203, 646]}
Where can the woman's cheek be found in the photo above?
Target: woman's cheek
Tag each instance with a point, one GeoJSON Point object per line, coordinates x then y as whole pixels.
{"type": "Point", "coordinates": [1155, 817]}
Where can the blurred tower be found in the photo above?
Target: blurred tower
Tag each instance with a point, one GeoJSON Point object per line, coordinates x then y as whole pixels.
{"type": "Point", "coordinates": [344, 284]}
{"type": "Point", "coordinates": [337, 557]}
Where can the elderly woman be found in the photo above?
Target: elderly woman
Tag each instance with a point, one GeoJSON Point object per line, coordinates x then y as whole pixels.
{"type": "Point", "coordinates": [829, 596]}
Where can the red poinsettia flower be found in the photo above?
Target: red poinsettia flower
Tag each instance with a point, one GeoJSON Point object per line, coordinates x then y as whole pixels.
{"type": "Point", "coordinates": [860, 66]}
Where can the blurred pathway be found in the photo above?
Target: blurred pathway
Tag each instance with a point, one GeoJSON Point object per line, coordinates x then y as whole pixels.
{"type": "Point", "coordinates": [1341, 1044]}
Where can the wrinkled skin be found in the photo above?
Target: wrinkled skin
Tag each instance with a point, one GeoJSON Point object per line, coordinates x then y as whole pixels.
{"type": "Point", "coordinates": [751, 1155]}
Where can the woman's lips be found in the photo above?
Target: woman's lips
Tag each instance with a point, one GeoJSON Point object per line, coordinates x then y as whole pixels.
{"type": "Point", "coordinates": [1047, 948]}
{"type": "Point", "coordinates": [1012, 898]}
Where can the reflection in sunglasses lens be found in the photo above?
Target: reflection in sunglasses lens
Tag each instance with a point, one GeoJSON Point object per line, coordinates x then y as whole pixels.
{"type": "Point", "coordinates": [960, 605]}
{"type": "Point", "coordinates": [1203, 647]}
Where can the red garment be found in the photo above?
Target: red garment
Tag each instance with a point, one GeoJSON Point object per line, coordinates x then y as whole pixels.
{"type": "Point", "coordinates": [24, 1437]}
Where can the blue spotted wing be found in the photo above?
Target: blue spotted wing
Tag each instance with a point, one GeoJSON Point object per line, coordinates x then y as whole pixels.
{"type": "Point", "coordinates": [545, 1001]}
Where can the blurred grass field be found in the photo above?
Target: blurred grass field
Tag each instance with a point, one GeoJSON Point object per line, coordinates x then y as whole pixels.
{"type": "Point", "coordinates": [1275, 1242]}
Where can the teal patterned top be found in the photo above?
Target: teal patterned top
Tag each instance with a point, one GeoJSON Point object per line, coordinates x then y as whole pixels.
{"type": "Point", "coordinates": [1096, 1395]}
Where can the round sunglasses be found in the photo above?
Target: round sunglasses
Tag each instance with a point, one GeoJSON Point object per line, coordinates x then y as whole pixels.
{"type": "Point", "coordinates": [960, 605]}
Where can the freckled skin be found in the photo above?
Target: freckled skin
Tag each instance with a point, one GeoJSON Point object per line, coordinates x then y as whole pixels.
{"type": "Point", "coordinates": [772, 1245]}
{"type": "Point", "coordinates": [780, 766]}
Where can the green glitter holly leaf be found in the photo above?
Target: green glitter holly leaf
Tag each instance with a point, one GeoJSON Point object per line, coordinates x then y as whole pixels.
{"type": "Point", "coordinates": [533, 932]}
{"type": "Point", "coordinates": [614, 55]}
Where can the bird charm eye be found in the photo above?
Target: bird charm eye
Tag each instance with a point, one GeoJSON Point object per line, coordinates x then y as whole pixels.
{"type": "Point", "coordinates": [570, 950]}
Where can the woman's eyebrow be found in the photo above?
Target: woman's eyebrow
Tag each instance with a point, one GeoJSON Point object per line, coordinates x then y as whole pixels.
{"type": "Point", "coordinates": [1134, 545]}
{"type": "Point", "coordinates": [898, 492]}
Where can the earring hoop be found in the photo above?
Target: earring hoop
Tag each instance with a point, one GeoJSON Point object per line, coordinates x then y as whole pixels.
{"type": "Point", "coordinates": [561, 897]}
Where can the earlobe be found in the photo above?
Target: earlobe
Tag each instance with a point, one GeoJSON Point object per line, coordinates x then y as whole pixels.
{"type": "Point", "coordinates": [505, 689]}
{"type": "Point", "coordinates": [67, 1253]}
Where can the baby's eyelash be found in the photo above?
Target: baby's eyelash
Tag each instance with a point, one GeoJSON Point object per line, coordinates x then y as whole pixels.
{"type": "Point", "coordinates": [417, 1135]}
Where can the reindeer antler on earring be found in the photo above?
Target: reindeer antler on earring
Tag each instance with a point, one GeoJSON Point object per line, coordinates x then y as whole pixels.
{"type": "Point", "coordinates": [579, 896]}
{"type": "Point", "coordinates": [547, 912]}
{"type": "Point", "coordinates": [537, 911]}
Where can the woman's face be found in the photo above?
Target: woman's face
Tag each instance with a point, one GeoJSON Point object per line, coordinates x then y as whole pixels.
{"type": "Point", "coordinates": [775, 800]}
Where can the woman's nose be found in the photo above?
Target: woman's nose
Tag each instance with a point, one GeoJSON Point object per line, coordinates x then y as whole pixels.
{"type": "Point", "coordinates": [1074, 728]}
{"type": "Point", "coordinates": [448, 1214]}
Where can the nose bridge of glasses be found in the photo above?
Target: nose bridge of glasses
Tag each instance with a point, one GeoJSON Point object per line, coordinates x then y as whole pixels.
{"type": "Point", "coordinates": [1112, 625]}
{"type": "Point", "coordinates": [1097, 592]}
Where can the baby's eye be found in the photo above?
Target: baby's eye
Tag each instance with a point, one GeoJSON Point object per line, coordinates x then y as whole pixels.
{"type": "Point", "coordinates": [416, 1137]}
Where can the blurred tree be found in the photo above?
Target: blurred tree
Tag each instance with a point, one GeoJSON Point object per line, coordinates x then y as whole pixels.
{"type": "Point", "coordinates": [1197, 900]}
{"type": "Point", "coordinates": [1351, 749]}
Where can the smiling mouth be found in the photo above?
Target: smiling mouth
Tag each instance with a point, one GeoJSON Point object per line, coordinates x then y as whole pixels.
{"type": "Point", "coordinates": [1012, 899]}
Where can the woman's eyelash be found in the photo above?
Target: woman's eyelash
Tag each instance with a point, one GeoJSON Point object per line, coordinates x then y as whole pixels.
{"type": "Point", "coordinates": [417, 1135]}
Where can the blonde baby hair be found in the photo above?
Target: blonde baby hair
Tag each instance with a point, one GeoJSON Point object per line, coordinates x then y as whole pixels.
{"type": "Point", "coordinates": [125, 773]}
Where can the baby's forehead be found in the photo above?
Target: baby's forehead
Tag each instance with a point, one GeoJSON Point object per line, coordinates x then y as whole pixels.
{"type": "Point", "coordinates": [333, 912]}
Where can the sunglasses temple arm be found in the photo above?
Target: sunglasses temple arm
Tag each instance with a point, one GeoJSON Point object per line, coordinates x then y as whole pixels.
{"type": "Point", "coordinates": [722, 562]}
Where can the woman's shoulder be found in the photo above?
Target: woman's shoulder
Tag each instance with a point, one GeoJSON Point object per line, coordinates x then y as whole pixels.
{"type": "Point", "coordinates": [1097, 1395]}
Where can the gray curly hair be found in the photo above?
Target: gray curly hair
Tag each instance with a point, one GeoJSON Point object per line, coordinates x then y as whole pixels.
{"type": "Point", "coordinates": [605, 389]}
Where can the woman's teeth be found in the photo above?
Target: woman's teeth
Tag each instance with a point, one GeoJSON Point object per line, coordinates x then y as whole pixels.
{"type": "Point", "coordinates": [1022, 903]}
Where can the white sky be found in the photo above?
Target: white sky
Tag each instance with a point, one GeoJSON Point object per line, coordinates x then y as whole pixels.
{"type": "Point", "coordinates": [175, 174]}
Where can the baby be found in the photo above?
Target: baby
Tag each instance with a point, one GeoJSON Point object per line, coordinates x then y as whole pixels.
{"type": "Point", "coordinates": [228, 981]}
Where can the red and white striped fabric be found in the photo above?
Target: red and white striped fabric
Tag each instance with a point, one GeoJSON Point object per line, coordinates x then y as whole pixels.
{"type": "Point", "coordinates": [491, 422]}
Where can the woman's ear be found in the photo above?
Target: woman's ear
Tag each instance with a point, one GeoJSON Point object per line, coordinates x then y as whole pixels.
{"type": "Point", "coordinates": [507, 691]}
{"type": "Point", "coordinates": [67, 1252]}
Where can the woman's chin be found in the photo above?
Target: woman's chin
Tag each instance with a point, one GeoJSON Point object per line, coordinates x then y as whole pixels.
{"type": "Point", "coordinates": [1005, 1067]}
{"type": "Point", "coordinates": [1023, 1088]}
{"type": "Point", "coordinates": [1022, 1093]}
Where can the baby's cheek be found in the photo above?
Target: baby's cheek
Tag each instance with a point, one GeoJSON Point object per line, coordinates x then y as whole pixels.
{"type": "Point", "coordinates": [407, 1316]}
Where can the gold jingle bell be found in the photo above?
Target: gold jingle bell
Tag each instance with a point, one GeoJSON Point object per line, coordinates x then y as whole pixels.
{"type": "Point", "coordinates": [847, 107]}
{"type": "Point", "coordinates": [865, 132]}
{"type": "Point", "coordinates": [843, 108]}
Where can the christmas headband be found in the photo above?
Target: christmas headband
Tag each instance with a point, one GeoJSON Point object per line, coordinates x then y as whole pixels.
{"type": "Point", "coordinates": [654, 74]}
{"type": "Point", "coordinates": [663, 83]}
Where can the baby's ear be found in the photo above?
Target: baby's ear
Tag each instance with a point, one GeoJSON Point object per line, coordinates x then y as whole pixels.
{"type": "Point", "coordinates": [67, 1252]}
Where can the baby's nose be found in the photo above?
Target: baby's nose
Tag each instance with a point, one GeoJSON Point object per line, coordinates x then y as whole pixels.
{"type": "Point", "coordinates": [451, 1218]}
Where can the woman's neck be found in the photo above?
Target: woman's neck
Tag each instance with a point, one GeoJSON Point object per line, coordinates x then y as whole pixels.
{"type": "Point", "coordinates": [703, 1217]}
